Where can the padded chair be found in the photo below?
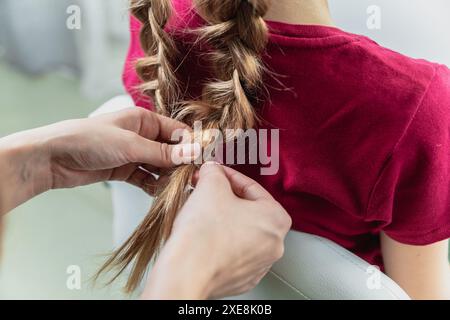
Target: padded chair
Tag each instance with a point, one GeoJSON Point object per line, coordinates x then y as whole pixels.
{"type": "Point", "coordinates": [312, 267]}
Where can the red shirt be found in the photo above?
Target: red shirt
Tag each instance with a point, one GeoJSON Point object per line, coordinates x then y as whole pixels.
{"type": "Point", "coordinates": [364, 139]}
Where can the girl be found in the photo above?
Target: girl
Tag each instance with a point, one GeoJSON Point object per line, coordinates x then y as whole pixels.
{"type": "Point", "coordinates": [364, 131]}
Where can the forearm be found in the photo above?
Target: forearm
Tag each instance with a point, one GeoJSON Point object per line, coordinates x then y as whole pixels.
{"type": "Point", "coordinates": [24, 162]}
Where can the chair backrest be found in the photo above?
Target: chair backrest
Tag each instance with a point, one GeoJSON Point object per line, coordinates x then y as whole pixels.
{"type": "Point", "coordinates": [314, 268]}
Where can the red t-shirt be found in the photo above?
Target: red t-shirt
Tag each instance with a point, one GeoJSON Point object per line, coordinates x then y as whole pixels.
{"type": "Point", "coordinates": [364, 139]}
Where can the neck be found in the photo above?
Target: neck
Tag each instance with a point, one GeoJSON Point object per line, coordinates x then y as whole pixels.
{"type": "Point", "coordinates": [315, 12]}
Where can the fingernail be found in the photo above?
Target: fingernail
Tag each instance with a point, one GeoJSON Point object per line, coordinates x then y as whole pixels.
{"type": "Point", "coordinates": [212, 163]}
{"type": "Point", "coordinates": [187, 152]}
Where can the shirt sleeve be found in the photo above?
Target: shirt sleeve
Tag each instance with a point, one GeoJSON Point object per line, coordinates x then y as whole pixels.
{"type": "Point", "coordinates": [412, 195]}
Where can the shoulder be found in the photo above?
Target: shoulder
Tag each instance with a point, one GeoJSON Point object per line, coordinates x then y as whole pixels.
{"type": "Point", "coordinates": [399, 94]}
{"type": "Point", "coordinates": [431, 123]}
{"type": "Point", "coordinates": [390, 71]}
{"type": "Point", "coordinates": [415, 92]}
{"type": "Point", "coordinates": [398, 118]}
{"type": "Point", "coordinates": [419, 88]}
{"type": "Point", "coordinates": [412, 189]}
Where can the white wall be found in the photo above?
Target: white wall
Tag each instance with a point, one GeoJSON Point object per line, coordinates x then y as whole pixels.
{"type": "Point", "coordinates": [102, 44]}
{"type": "Point", "coordinates": [419, 28]}
{"type": "Point", "coordinates": [35, 36]}
{"type": "Point", "coordinates": [36, 39]}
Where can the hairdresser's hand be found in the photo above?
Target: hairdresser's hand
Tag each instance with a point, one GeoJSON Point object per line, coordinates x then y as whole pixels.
{"type": "Point", "coordinates": [80, 152]}
{"type": "Point", "coordinates": [224, 240]}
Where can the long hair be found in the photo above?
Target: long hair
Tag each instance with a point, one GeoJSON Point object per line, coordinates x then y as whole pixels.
{"type": "Point", "coordinates": [237, 35]}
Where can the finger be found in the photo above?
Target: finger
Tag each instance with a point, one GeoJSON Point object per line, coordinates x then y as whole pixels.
{"type": "Point", "coordinates": [122, 173]}
{"type": "Point", "coordinates": [152, 169]}
{"type": "Point", "coordinates": [144, 180]}
{"type": "Point", "coordinates": [163, 181]}
{"type": "Point", "coordinates": [195, 177]}
{"type": "Point", "coordinates": [136, 176]}
{"type": "Point", "coordinates": [160, 155]}
{"type": "Point", "coordinates": [160, 174]}
{"type": "Point", "coordinates": [212, 175]}
{"type": "Point", "coordinates": [245, 187]}
{"type": "Point", "coordinates": [167, 128]}
{"type": "Point", "coordinates": [150, 125]}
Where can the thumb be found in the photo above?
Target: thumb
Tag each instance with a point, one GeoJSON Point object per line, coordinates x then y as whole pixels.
{"type": "Point", "coordinates": [162, 155]}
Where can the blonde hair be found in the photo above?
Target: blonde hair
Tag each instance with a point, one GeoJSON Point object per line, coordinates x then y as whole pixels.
{"type": "Point", "coordinates": [237, 35]}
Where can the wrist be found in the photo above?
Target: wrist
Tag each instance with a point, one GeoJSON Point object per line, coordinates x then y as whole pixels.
{"type": "Point", "coordinates": [182, 272]}
{"type": "Point", "coordinates": [24, 162]}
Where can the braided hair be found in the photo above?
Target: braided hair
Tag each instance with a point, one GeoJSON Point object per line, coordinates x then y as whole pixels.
{"type": "Point", "coordinates": [237, 34]}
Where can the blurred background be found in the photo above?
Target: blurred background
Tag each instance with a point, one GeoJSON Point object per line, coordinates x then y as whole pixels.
{"type": "Point", "coordinates": [49, 72]}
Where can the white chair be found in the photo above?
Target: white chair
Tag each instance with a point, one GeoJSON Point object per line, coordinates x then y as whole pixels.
{"type": "Point", "coordinates": [312, 267]}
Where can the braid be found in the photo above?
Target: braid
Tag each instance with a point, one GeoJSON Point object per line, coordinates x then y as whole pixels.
{"type": "Point", "coordinates": [238, 35]}
{"type": "Point", "coordinates": [156, 69]}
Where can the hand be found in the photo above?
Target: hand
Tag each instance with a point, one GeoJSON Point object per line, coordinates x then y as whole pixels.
{"type": "Point", "coordinates": [112, 147]}
{"type": "Point", "coordinates": [224, 240]}
{"type": "Point", "coordinates": [80, 152]}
